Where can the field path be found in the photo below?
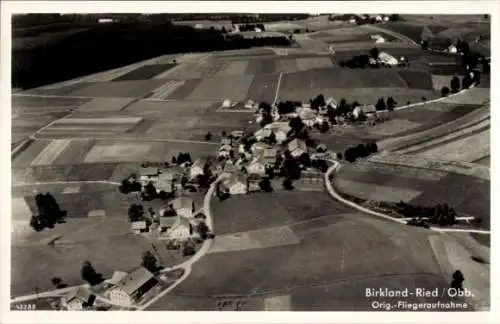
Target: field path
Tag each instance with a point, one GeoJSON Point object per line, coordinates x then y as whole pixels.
{"type": "Point", "coordinates": [336, 166]}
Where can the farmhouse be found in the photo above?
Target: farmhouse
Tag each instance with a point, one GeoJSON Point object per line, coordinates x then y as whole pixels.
{"type": "Point", "coordinates": [297, 148]}
{"type": "Point", "coordinates": [166, 181]}
{"type": "Point", "coordinates": [257, 166]}
{"type": "Point", "coordinates": [262, 134]}
{"type": "Point", "coordinates": [258, 148]}
{"type": "Point", "coordinates": [236, 184]}
{"type": "Point", "coordinates": [117, 277]}
{"type": "Point", "coordinates": [138, 227]}
{"type": "Point", "coordinates": [132, 287]}
{"type": "Point", "coordinates": [269, 156]}
{"type": "Point", "coordinates": [184, 206]}
{"type": "Point", "coordinates": [78, 299]}
{"type": "Point", "coordinates": [148, 174]}
{"type": "Point", "coordinates": [197, 168]}
{"type": "Point", "coordinates": [280, 130]}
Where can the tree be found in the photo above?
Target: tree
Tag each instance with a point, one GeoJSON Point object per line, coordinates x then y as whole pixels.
{"type": "Point", "coordinates": [124, 187]}
{"type": "Point", "coordinates": [372, 147]}
{"type": "Point", "coordinates": [150, 262]}
{"type": "Point", "coordinates": [188, 248]}
{"type": "Point", "coordinates": [324, 127]}
{"type": "Point", "coordinates": [150, 190]}
{"type": "Point", "coordinates": [265, 185]}
{"type": "Point", "coordinates": [265, 107]}
{"type": "Point", "coordinates": [288, 184]}
{"type": "Point", "coordinates": [350, 155]}
{"type": "Point", "coordinates": [424, 44]}
{"type": "Point", "coordinates": [208, 136]}
{"type": "Point", "coordinates": [380, 105]}
{"type": "Point", "coordinates": [339, 156]}
{"type": "Point", "coordinates": [457, 280]}
{"type": "Point", "coordinates": [466, 82]}
{"type": "Point", "coordinates": [374, 52]}
{"type": "Point", "coordinates": [305, 160]}
{"type": "Point", "coordinates": [391, 103]}
{"type": "Point", "coordinates": [455, 84]}
{"type": "Point", "coordinates": [476, 77]}
{"type": "Point", "coordinates": [174, 160]}
{"type": "Point", "coordinates": [135, 213]}
{"type": "Point", "coordinates": [90, 275]}
{"type": "Point", "coordinates": [35, 223]}
{"type": "Point", "coordinates": [445, 91]}
{"type": "Point", "coordinates": [296, 125]}
{"type": "Point", "coordinates": [203, 230]}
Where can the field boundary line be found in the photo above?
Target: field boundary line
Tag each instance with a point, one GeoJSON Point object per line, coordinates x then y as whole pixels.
{"type": "Point", "coordinates": [46, 183]}
{"type": "Point", "coordinates": [336, 166]}
{"type": "Point", "coordinates": [278, 88]}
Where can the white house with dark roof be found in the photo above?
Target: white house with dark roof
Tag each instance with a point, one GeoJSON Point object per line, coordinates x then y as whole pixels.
{"type": "Point", "coordinates": [77, 299]}
{"type": "Point", "coordinates": [262, 134]}
{"type": "Point", "coordinates": [132, 287]}
{"type": "Point", "coordinates": [297, 148]}
{"type": "Point", "coordinates": [236, 184]}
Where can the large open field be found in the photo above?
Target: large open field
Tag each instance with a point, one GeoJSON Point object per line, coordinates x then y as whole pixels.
{"type": "Point", "coordinates": [467, 195]}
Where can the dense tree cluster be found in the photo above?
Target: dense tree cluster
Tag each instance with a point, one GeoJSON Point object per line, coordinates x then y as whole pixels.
{"type": "Point", "coordinates": [90, 275]}
{"type": "Point", "coordinates": [106, 46]}
{"type": "Point", "coordinates": [150, 262]}
{"type": "Point", "coordinates": [48, 212]}
{"type": "Point", "coordinates": [129, 185]}
{"type": "Point", "coordinates": [351, 154]}
{"type": "Point", "coordinates": [251, 27]}
{"type": "Point", "coordinates": [441, 214]}
{"type": "Point", "coordinates": [182, 158]}
{"type": "Point", "coordinates": [135, 213]}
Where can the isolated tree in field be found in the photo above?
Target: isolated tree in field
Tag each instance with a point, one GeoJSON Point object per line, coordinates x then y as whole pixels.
{"type": "Point", "coordinates": [445, 91]}
{"type": "Point", "coordinates": [150, 262]}
{"type": "Point", "coordinates": [374, 52]}
{"type": "Point", "coordinates": [457, 280]}
{"type": "Point", "coordinates": [391, 103]}
{"type": "Point", "coordinates": [90, 275]}
{"type": "Point", "coordinates": [56, 281]}
{"type": "Point", "coordinates": [208, 136]}
{"type": "Point", "coordinates": [455, 84]}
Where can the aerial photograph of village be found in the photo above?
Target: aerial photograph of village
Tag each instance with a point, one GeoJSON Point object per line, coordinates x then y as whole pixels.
{"type": "Point", "coordinates": [250, 162]}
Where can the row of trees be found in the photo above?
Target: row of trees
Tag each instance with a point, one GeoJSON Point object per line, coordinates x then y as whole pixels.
{"type": "Point", "coordinates": [467, 82]}
{"type": "Point", "coordinates": [251, 27]}
{"type": "Point", "coordinates": [351, 154]}
{"type": "Point", "coordinates": [441, 214]}
{"type": "Point", "coordinates": [107, 46]}
{"type": "Point", "coordinates": [48, 212]}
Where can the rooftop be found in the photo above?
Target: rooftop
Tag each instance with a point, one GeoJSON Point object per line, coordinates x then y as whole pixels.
{"type": "Point", "coordinates": [135, 280]}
